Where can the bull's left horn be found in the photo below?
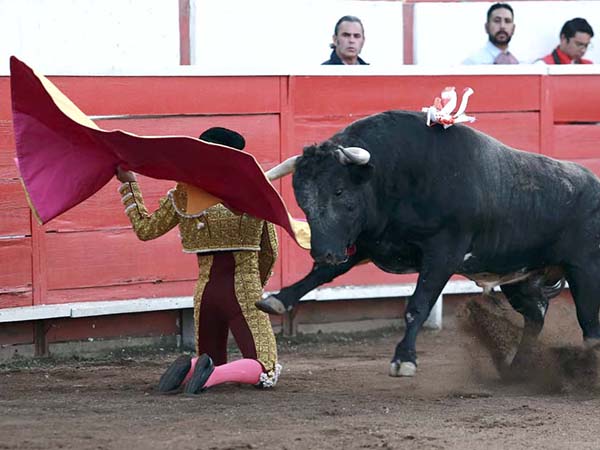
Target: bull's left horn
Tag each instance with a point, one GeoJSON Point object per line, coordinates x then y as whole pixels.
{"type": "Point", "coordinates": [282, 169]}
{"type": "Point", "coordinates": [352, 155]}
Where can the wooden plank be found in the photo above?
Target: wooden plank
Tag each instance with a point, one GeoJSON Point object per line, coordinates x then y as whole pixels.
{"type": "Point", "coordinates": [39, 262]}
{"type": "Point", "coordinates": [517, 129]}
{"type": "Point", "coordinates": [12, 195]}
{"type": "Point", "coordinates": [7, 156]}
{"type": "Point", "coordinates": [298, 264]}
{"type": "Point", "coordinates": [575, 98]}
{"type": "Point", "coordinates": [122, 292]}
{"type": "Point", "coordinates": [367, 95]}
{"type": "Point", "coordinates": [576, 141]}
{"type": "Point", "coordinates": [100, 96]}
{"type": "Point", "coordinates": [120, 266]}
{"type": "Point", "coordinates": [546, 117]}
{"type": "Point", "coordinates": [308, 131]}
{"type": "Point", "coordinates": [15, 265]}
{"type": "Point", "coordinates": [122, 325]}
{"type": "Point", "coordinates": [8, 171]}
{"type": "Point", "coordinates": [7, 137]}
{"type": "Point", "coordinates": [16, 299]}
{"type": "Point", "coordinates": [104, 209]}
{"type": "Point", "coordinates": [5, 104]}
{"type": "Point", "coordinates": [14, 222]}
{"type": "Point", "coordinates": [14, 210]}
{"type": "Point", "coordinates": [114, 257]}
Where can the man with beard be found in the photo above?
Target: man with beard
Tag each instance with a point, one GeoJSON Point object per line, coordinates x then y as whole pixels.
{"type": "Point", "coordinates": [499, 27]}
{"type": "Point", "coordinates": [575, 38]}
{"type": "Point", "coordinates": [348, 41]}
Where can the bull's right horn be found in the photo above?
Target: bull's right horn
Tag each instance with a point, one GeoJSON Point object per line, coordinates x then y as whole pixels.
{"type": "Point", "coordinates": [352, 155]}
{"type": "Point", "coordinates": [282, 169]}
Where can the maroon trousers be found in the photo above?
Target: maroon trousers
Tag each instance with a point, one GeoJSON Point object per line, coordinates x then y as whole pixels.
{"type": "Point", "coordinates": [220, 312]}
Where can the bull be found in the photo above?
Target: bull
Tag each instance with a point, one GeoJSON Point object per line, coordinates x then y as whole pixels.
{"type": "Point", "coordinates": [412, 198]}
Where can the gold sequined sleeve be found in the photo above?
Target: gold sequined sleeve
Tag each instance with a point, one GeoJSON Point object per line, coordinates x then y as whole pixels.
{"type": "Point", "coordinates": [269, 248]}
{"type": "Point", "coordinates": [147, 226]}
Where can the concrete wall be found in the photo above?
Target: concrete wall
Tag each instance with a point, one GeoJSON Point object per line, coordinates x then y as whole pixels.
{"type": "Point", "coordinates": [90, 36]}
{"type": "Point", "coordinates": [270, 36]}
{"type": "Point", "coordinates": [446, 33]}
{"type": "Point", "coordinates": [289, 35]}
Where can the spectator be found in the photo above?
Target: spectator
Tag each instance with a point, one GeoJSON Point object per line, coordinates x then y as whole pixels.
{"type": "Point", "coordinates": [500, 28]}
{"type": "Point", "coordinates": [348, 41]}
{"type": "Point", "coordinates": [575, 38]}
{"type": "Point", "coordinates": [236, 253]}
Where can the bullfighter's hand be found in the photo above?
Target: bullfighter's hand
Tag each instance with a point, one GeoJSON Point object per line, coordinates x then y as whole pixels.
{"type": "Point", "coordinates": [125, 176]}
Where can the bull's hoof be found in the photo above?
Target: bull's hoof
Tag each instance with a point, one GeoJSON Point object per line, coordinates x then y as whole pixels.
{"type": "Point", "coordinates": [592, 344]}
{"type": "Point", "coordinates": [271, 305]}
{"type": "Point", "coordinates": [402, 369]}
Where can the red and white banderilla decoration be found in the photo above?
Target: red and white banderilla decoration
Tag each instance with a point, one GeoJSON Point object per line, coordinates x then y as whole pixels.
{"type": "Point", "coordinates": [441, 110]}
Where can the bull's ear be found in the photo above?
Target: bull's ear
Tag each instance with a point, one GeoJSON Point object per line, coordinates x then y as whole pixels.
{"type": "Point", "coordinates": [361, 174]}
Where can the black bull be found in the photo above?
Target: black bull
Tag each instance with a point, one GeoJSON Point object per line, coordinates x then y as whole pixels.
{"type": "Point", "coordinates": [443, 202]}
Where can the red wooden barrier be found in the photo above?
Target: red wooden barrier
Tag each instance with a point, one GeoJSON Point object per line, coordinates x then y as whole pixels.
{"type": "Point", "coordinates": [90, 252]}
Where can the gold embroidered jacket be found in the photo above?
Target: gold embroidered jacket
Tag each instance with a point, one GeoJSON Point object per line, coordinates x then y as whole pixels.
{"type": "Point", "coordinates": [214, 229]}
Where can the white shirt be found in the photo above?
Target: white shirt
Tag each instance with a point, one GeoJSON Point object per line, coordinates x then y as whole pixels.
{"type": "Point", "coordinates": [487, 55]}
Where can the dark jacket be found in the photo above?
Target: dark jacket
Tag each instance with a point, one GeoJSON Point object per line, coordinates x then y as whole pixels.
{"type": "Point", "coordinates": [334, 60]}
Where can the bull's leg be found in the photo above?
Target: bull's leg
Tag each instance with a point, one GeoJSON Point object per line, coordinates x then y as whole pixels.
{"type": "Point", "coordinates": [441, 258]}
{"type": "Point", "coordinates": [585, 287]}
{"type": "Point", "coordinates": [529, 299]}
{"type": "Point", "coordinates": [288, 297]}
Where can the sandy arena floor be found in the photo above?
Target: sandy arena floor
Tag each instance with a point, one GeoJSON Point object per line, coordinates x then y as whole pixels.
{"type": "Point", "coordinates": [334, 394]}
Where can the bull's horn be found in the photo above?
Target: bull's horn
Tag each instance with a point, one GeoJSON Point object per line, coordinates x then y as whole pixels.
{"type": "Point", "coordinates": [282, 169]}
{"type": "Point", "coordinates": [352, 155]}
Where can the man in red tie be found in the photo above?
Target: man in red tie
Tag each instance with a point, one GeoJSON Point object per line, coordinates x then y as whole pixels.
{"type": "Point", "coordinates": [500, 28]}
{"type": "Point", "coordinates": [575, 38]}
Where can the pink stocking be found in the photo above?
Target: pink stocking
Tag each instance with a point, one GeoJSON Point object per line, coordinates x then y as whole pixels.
{"type": "Point", "coordinates": [246, 371]}
{"type": "Point", "coordinates": [191, 371]}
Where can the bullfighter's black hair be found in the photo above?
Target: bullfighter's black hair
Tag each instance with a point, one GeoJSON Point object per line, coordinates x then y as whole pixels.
{"type": "Point", "coordinates": [224, 136]}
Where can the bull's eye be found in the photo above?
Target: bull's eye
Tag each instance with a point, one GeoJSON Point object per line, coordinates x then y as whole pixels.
{"type": "Point", "coordinates": [338, 192]}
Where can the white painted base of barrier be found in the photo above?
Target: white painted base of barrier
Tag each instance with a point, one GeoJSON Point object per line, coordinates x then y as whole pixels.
{"type": "Point", "coordinates": [88, 309]}
{"type": "Point", "coordinates": [102, 308]}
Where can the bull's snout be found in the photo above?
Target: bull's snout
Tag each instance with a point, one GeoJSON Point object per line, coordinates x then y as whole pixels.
{"type": "Point", "coordinates": [330, 258]}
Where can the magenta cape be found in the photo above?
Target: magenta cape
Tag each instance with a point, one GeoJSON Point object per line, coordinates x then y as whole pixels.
{"type": "Point", "coordinates": [64, 158]}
